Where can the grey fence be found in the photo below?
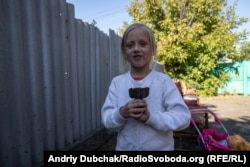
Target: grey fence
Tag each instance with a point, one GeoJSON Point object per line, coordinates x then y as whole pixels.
{"type": "Point", "coordinates": [55, 71]}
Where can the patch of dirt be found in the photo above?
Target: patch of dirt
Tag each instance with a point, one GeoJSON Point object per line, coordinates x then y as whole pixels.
{"type": "Point", "coordinates": [101, 140]}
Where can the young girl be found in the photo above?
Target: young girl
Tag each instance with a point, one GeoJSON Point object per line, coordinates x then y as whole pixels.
{"type": "Point", "coordinates": [143, 105]}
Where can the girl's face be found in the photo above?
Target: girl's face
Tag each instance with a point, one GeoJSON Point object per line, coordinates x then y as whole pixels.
{"type": "Point", "coordinates": [138, 49]}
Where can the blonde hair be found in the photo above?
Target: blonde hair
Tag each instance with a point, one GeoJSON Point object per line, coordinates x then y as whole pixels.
{"type": "Point", "coordinates": [151, 40]}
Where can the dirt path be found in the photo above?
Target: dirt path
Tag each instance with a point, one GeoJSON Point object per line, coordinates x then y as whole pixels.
{"type": "Point", "coordinates": [233, 111]}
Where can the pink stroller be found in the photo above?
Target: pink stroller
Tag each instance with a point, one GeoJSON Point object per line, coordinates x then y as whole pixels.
{"type": "Point", "coordinates": [210, 139]}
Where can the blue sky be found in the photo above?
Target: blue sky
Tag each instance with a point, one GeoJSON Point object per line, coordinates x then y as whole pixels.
{"type": "Point", "coordinates": [110, 14]}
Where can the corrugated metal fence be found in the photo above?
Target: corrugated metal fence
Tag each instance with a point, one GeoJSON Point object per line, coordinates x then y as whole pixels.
{"type": "Point", "coordinates": [240, 82]}
{"type": "Point", "coordinates": [55, 71]}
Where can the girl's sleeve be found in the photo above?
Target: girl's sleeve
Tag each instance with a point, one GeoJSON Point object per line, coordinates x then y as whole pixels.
{"type": "Point", "coordinates": [176, 115]}
{"type": "Point", "coordinates": [110, 114]}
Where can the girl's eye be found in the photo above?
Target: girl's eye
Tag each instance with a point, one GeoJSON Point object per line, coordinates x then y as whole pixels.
{"type": "Point", "coordinates": [129, 45]}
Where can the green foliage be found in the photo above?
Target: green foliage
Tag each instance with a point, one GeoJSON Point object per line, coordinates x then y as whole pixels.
{"type": "Point", "coordinates": [193, 36]}
{"type": "Point", "coordinates": [245, 51]}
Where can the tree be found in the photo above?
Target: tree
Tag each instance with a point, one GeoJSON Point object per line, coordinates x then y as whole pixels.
{"type": "Point", "coordinates": [193, 36]}
{"type": "Point", "coordinates": [245, 51]}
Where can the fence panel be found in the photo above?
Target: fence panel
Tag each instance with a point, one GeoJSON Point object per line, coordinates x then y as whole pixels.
{"type": "Point", "coordinates": [73, 67]}
{"type": "Point", "coordinates": [240, 81]}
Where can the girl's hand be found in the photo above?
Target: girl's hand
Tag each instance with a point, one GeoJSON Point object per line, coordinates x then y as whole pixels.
{"type": "Point", "coordinates": [135, 109]}
{"type": "Point", "coordinates": [144, 117]}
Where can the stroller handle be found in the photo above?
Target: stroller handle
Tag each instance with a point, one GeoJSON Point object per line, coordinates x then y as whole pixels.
{"type": "Point", "coordinates": [206, 110]}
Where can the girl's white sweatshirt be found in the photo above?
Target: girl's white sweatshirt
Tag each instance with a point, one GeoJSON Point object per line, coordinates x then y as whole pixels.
{"type": "Point", "coordinates": [168, 113]}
